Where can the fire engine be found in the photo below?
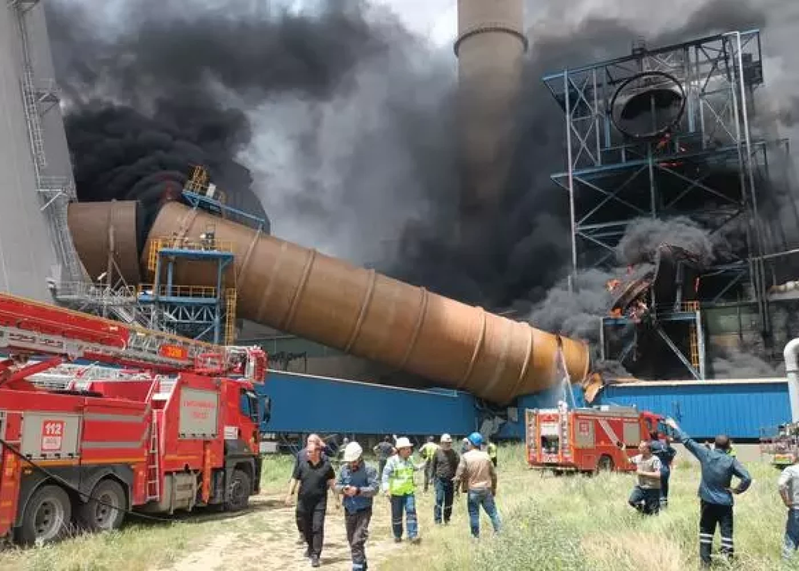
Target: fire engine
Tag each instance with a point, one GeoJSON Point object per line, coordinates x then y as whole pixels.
{"type": "Point", "coordinates": [781, 445]}
{"type": "Point", "coordinates": [587, 439]}
{"type": "Point", "coordinates": [173, 424]}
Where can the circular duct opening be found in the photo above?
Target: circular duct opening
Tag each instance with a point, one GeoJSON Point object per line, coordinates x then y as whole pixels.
{"type": "Point", "coordinates": [648, 105]}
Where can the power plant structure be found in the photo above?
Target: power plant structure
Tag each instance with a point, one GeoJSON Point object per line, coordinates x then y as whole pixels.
{"type": "Point", "coordinates": [490, 48]}
{"type": "Point", "coordinates": [675, 117]}
{"type": "Point", "coordinates": [36, 181]}
{"type": "Point", "coordinates": [664, 133]}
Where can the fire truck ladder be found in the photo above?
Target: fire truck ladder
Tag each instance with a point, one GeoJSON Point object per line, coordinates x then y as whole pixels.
{"type": "Point", "coordinates": [33, 327]}
{"type": "Point", "coordinates": [153, 466]}
{"type": "Point", "coordinates": [563, 425]}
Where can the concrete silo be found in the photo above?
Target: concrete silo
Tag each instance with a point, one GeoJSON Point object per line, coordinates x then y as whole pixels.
{"type": "Point", "coordinates": [35, 174]}
{"type": "Point", "coordinates": [490, 48]}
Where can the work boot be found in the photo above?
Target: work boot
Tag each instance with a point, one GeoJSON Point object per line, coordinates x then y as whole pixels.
{"type": "Point", "coordinates": [315, 561]}
{"type": "Point", "coordinates": [416, 540]}
{"type": "Point", "coordinates": [397, 540]}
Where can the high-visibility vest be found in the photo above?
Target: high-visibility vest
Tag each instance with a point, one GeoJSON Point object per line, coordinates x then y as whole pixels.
{"type": "Point", "coordinates": [492, 450]}
{"type": "Point", "coordinates": [429, 450]}
{"type": "Point", "coordinates": [400, 482]}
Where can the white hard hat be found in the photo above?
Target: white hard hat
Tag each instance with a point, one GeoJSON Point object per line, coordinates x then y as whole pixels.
{"type": "Point", "coordinates": [352, 452]}
{"type": "Point", "coordinates": [446, 438]}
{"type": "Point", "coordinates": [403, 442]}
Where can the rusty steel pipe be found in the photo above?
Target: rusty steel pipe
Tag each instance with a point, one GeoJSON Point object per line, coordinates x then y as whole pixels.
{"type": "Point", "coordinates": [359, 311]}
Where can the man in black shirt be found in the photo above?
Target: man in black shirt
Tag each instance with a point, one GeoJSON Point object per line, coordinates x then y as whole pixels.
{"type": "Point", "coordinates": [315, 476]}
{"type": "Point", "coordinates": [383, 450]}
{"type": "Point", "coordinates": [442, 469]}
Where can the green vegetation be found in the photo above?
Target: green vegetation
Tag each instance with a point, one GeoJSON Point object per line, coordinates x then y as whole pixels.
{"type": "Point", "coordinates": [578, 523]}
{"type": "Point", "coordinates": [550, 523]}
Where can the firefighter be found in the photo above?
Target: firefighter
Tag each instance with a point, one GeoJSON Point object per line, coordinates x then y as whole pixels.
{"type": "Point", "coordinates": [358, 483]}
{"type": "Point", "coordinates": [665, 453]}
{"type": "Point", "coordinates": [427, 451]}
{"type": "Point", "coordinates": [399, 487]}
{"type": "Point", "coordinates": [645, 497]}
{"type": "Point", "coordinates": [715, 491]}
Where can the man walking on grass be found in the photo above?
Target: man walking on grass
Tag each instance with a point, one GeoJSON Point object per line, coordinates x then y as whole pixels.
{"type": "Point", "coordinates": [358, 483]}
{"type": "Point", "coordinates": [789, 492]}
{"type": "Point", "coordinates": [477, 476]}
{"type": "Point", "coordinates": [315, 476]}
{"type": "Point", "coordinates": [301, 455]}
{"type": "Point", "coordinates": [646, 495]}
{"type": "Point", "coordinates": [443, 467]}
{"type": "Point", "coordinates": [427, 451]}
{"type": "Point", "coordinates": [715, 492]}
{"type": "Point", "coordinates": [399, 486]}
{"type": "Point", "coordinates": [384, 450]}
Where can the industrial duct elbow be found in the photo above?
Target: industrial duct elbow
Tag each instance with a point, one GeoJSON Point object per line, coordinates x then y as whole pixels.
{"type": "Point", "coordinates": [791, 355]}
{"type": "Point", "coordinates": [358, 311]}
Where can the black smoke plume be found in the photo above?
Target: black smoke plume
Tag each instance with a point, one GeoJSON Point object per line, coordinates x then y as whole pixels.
{"type": "Point", "coordinates": [159, 89]}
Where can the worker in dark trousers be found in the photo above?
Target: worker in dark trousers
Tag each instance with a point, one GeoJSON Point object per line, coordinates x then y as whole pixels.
{"type": "Point", "coordinates": [384, 450]}
{"type": "Point", "coordinates": [645, 497]}
{"type": "Point", "coordinates": [399, 487]}
{"type": "Point", "coordinates": [303, 453]}
{"type": "Point", "coordinates": [443, 467]}
{"type": "Point", "coordinates": [665, 453]}
{"type": "Point", "coordinates": [315, 476]}
{"type": "Point", "coordinates": [427, 451]}
{"type": "Point", "coordinates": [715, 493]}
{"type": "Point", "coordinates": [358, 483]}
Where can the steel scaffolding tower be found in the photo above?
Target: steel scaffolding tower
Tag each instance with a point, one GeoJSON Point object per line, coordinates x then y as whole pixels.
{"type": "Point", "coordinates": [666, 132]}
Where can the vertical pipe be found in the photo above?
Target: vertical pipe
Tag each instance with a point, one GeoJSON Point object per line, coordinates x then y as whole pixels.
{"type": "Point", "coordinates": [595, 110]}
{"type": "Point", "coordinates": [700, 341]}
{"type": "Point", "coordinates": [572, 212]}
{"type": "Point", "coordinates": [792, 371]}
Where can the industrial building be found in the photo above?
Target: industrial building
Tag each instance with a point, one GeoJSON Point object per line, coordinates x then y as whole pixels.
{"type": "Point", "coordinates": [645, 134]}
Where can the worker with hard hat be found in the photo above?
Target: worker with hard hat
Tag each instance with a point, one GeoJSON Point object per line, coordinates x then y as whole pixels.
{"type": "Point", "coordinates": [478, 477]}
{"type": "Point", "coordinates": [443, 467]}
{"type": "Point", "coordinates": [358, 483]}
{"type": "Point", "coordinates": [427, 451]}
{"type": "Point", "coordinates": [399, 486]}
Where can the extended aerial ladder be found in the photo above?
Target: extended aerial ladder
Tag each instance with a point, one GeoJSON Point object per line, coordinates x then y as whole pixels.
{"type": "Point", "coordinates": [29, 329]}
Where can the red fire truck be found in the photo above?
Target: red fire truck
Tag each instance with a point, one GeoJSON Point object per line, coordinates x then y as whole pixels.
{"type": "Point", "coordinates": [587, 439]}
{"type": "Point", "coordinates": [177, 429]}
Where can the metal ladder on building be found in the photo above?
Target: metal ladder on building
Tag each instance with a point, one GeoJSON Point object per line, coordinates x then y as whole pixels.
{"type": "Point", "coordinates": [230, 316]}
{"type": "Point", "coordinates": [693, 340]}
{"type": "Point", "coordinates": [153, 465]}
{"type": "Point", "coordinates": [49, 188]}
{"type": "Point", "coordinates": [563, 430]}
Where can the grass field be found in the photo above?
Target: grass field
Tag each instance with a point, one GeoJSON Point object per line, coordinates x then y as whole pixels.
{"type": "Point", "coordinates": [550, 523]}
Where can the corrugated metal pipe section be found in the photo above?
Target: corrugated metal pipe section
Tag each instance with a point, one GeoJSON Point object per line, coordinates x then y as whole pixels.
{"type": "Point", "coordinates": [299, 291]}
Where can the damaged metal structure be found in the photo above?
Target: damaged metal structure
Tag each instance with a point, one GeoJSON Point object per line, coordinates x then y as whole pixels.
{"type": "Point", "coordinates": [662, 133]}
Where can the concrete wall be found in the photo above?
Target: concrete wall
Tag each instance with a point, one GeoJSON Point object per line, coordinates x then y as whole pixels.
{"type": "Point", "coordinates": [26, 252]}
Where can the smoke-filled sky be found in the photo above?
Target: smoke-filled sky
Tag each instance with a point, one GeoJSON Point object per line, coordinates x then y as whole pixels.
{"type": "Point", "coordinates": [343, 112]}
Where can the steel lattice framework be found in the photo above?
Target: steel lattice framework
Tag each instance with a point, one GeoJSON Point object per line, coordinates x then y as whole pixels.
{"type": "Point", "coordinates": [707, 165]}
{"type": "Point", "coordinates": [612, 179]}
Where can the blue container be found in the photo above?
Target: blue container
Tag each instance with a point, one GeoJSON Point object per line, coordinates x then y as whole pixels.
{"type": "Point", "coordinates": [307, 403]}
{"type": "Point", "coordinates": [738, 408]}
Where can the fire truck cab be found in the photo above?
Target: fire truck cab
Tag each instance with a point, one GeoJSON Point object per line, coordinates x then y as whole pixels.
{"type": "Point", "coordinates": [587, 439]}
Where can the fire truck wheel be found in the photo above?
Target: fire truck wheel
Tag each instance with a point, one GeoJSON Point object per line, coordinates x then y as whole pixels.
{"type": "Point", "coordinates": [238, 491]}
{"type": "Point", "coordinates": [605, 464]}
{"type": "Point", "coordinates": [100, 515]}
{"type": "Point", "coordinates": [47, 516]}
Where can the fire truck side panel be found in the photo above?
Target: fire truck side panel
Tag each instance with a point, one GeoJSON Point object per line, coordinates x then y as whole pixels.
{"type": "Point", "coordinates": [131, 390]}
{"type": "Point", "coordinates": [240, 427]}
{"type": "Point", "coordinates": [50, 435]}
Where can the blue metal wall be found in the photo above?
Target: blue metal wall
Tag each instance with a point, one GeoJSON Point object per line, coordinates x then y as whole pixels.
{"type": "Point", "coordinates": [704, 409]}
{"type": "Point", "coordinates": [307, 403]}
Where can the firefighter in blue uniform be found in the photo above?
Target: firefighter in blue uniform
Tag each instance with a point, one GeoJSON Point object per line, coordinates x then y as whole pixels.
{"type": "Point", "coordinates": [665, 453]}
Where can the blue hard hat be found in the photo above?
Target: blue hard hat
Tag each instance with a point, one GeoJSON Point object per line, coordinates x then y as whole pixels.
{"type": "Point", "coordinates": [476, 439]}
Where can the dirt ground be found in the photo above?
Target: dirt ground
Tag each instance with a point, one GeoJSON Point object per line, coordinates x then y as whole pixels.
{"type": "Point", "coordinates": [266, 540]}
